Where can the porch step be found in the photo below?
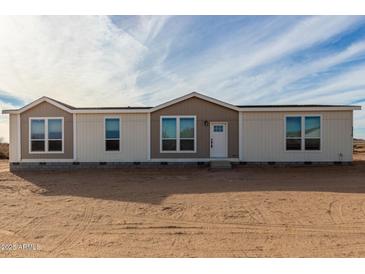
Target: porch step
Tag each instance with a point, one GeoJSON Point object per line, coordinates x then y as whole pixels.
{"type": "Point", "coordinates": [220, 164]}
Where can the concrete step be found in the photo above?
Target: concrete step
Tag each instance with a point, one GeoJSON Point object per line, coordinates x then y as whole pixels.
{"type": "Point", "coordinates": [220, 164]}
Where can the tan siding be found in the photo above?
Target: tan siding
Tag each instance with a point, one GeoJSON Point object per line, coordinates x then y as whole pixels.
{"type": "Point", "coordinates": [46, 110]}
{"type": "Point", "coordinates": [263, 137]}
{"type": "Point", "coordinates": [90, 138]}
{"type": "Point", "coordinates": [205, 111]}
{"type": "Point", "coordinates": [14, 153]}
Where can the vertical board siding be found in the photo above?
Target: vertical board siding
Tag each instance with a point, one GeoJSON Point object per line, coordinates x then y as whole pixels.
{"type": "Point", "coordinates": [204, 111]}
{"type": "Point", "coordinates": [46, 110]}
{"type": "Point", "coordinates": [91, 143]}
{"type": "Point", "coordinates": [263, 137]}
{"type": "Point", "coordinates": [14, 154]}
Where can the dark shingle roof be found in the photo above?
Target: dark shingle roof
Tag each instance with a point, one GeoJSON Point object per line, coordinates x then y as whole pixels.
{"type": "Point", "coordinates": [289, 106]}
{"type": "Point", "coordinates": [113, 108]}
{"type": "Point", "coordinates": [96, 108]}
{"type": "Point", "coordinates": [61, 103]}
{"type": "Point", "coordinates": [239, 106]}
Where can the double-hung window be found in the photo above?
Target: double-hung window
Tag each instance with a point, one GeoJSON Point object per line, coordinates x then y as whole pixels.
{"type": "Point", "coordinates": [312, 137]}
{"type": "Point", "coordinates": [303, 133]}
{"type": "Point", "coordinates": [178, 134]}
{"type": "Point", "coordinates": [55, 134]}
{"type": "Point", "coordinates": [294, 133]}
{"type": "Point", "coordinates": [46, 135]}
{"type": "Point", "coordinates": [169, 134]}
{"type": "Point", "coordinates": [112, 134]}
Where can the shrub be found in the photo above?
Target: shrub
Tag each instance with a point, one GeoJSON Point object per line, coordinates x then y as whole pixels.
{"type": "Point", "coordinates": [4, 151]}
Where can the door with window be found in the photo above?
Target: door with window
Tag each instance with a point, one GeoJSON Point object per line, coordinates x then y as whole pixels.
{"type": "Point", "coordinates": [218, 140]}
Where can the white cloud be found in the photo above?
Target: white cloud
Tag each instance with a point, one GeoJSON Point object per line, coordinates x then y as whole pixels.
{"type": "Point", "coordinates": [273, 82]}
{"type": "Point", "coordinates": [234, 62]}
{"type": "Point", "coordinates": [224, 69]}
{"type": "Point", "coordinates": [4, 121]}
{"type": "Point", "coordinates": [89, 60]}
{"type": "Point", "coordinates": [81, 60]}
{"type": "Point", "coordinates": [346, 87]}
{"type": "Point", "coordinates": [4, 128]}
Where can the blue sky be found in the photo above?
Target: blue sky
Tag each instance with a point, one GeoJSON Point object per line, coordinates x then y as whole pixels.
{"type": "Point", "coordinates": [144, 60]}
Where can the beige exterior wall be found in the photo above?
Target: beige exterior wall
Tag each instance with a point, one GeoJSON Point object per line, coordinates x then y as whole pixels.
{"type": "Point", "coordinates": [204, 111]}
{"type": "Point", "coordinates": [262, 137]}
{"type": "Point", "coordinates": [46, 110]}
{"type": "Point", "coordinates": [90, 142]}
{"type": "Point", "coordinates": [14, 151]}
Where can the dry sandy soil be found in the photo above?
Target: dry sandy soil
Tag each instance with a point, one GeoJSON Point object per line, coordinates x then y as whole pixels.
{"type": "Point", "coordinates": [184, 212]}
{"type": "Point", "coordinates": [359, 149]}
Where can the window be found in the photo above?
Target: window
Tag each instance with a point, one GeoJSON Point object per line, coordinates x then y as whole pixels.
{"type": "Point", "coordinates": [187, 129]}
{"type": "Point", "coordinates": [307, 139]}
{"type": "Point", "coordinates": [54, 135]}
{"type": "Point", "coordinates": [112, 134]}
{"type": "Point", "coordinates": [169, 134]}
{"type": "Point", "coordinates": [312, 133]}
{"type": "Point", "coordinates": [46, 135]}
{"type": "Point", "coordinates": [293, 133]}
{"type": "Point", "coordinates": [218, 128]}
{"type": "Point", "coordinates": [178, 134]}
{"type": "Point", "coordinates": [38, 136]}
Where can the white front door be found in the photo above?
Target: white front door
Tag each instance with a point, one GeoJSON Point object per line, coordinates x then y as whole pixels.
{"type": "Point", "coordinates": [218, 140]}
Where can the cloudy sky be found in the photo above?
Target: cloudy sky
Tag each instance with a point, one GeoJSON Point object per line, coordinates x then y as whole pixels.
{"type": "Point", "coordinates": [145, 60]}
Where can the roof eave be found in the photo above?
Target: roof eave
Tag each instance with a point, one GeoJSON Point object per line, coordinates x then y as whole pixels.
{"type": "Point", "coordinates": [191, 95]}
{"type": "Point", "coordinates": [10, 111]}
{"type": "Point", "coordinates": [283, 109]}
{"type": "Point", "coordinates": [35, 103]}
{"type": "Point", "coordinates": [80, 111]}
{"type": "Point", "coordinates": [177, 100]}
{"type": "Point", "coordinates": [242, 109]}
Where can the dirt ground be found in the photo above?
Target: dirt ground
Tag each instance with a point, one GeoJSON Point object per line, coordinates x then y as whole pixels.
{"type": "Point", "coordinates": [359, 149]}
{"type": "Point", "coordinates": [184, 212]}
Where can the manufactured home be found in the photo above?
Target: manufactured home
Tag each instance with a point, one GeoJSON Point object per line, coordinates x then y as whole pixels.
{"type": "Point", "coordinates": [191, 129]}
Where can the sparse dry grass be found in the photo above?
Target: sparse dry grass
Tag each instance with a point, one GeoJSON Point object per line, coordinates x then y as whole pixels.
{"type": "Point", "coordinates": [359, 150]}
{"type": "Point", "coordinates": [359, 146]}
{"type": "Point", "coordinates": [4, 151]}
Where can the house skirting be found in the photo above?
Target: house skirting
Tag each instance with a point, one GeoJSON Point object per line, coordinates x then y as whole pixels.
{"type": "Point", "coordinates": [37, 166]}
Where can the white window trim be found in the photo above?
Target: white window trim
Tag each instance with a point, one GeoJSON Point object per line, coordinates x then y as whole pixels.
{"type": "Point", "coordinates": [177, 117]}
{"type": "Point", "coordinates": [120, 134]}
{"type": "Point", "coordinates": [302, 138]}
{"type": "Point", "coordinates": [45, 135]}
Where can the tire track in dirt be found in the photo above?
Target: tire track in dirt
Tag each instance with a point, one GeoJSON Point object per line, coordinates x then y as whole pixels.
{"type": "Point", "coordinates": [25, 193]}
{"type": "Point", "coordinates": [75, 234]}
{"type": "Point", "coordinates": [335, 212]}
{"type": "Point", "coordinates": [278, 227]}
{"type": "Point", "coordinates": [363, 207]}
{"type": "Point", "coordinates": [261, 216]}
{"type": "Point", "coordinates": [5, 225]}
{"type": "Point", "coordinates": [29, 228]}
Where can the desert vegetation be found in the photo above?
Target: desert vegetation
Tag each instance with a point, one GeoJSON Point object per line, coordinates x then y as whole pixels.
{"type": "Point", "coordinates": [4, 149]}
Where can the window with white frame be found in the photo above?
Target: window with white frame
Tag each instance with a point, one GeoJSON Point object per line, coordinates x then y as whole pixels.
{"type": "Point", "coordinates": [312, 137]}
{"type": "Point", "coordinates": [46, 135]}
{"type": "Point", "coordinates": [169, 134]}
{"type": "Point", "coordinates": [303, 133]}
{"type": "Point", "coordinates": [294, 133]}
{"type": "Point", "coordinates": [178, 134]}
{"type": "Point", "coordinates": [112, 134]}
{"type": "Point", "coordinates": [218, 128]}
